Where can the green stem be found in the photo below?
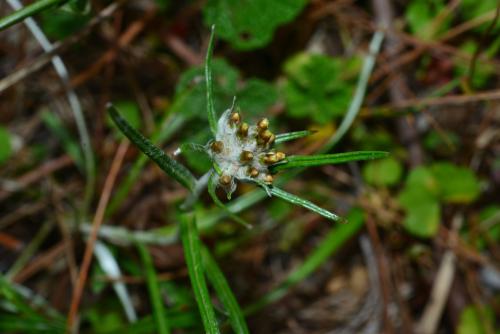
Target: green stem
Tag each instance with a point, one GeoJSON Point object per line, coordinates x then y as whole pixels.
{"type": "Point", "coordinates": [28, 11]}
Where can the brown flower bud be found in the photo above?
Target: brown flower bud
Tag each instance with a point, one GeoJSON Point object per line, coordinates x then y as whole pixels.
{"type": "Point", "coordinates": [234, 118]}
{"type": "Point", "coordinates": [243, 130]}
{"type": "Point", "coordinates": [268, 178]}
{"type": "Point", "coordinates": [263, 124]}
{"type": "Point", "coordinates": [217, 146]}
{"type": "Point", "coordinates": [280, 156]}
{"type": "Point", "coordinates": [225, 180]}
{"type": "Point", "coordinates": [270, 158]}
{"type": "Point", "coordinates": [246, 156]}
{"type": "Point", "coordinates": [253, 172]}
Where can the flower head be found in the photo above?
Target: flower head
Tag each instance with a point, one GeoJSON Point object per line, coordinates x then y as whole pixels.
{"type": "Point", "coordinates": [243, 152]}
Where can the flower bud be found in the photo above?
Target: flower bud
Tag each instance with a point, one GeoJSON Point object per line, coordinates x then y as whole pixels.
{"type": "Point", "coordinates": [217, 146]}
{"type": "Point", "coordinates": [246, 156]}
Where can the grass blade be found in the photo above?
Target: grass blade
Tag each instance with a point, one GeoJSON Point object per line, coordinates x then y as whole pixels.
{"type": "Point", "coordinates": [167, 128]}
{"type": "Point", "coordinates": [176, 170]}
{"type": "Point", "coordinates": [192, 253]}
{"type": "Point", "coordinates": [212, 117]}
{"type": "Point", "coordinates": [110, 267]}
{"type": "Point", "coordinates": [333, 241]}
{"type": "Point", "coordinates": [35, 8]}
{"type": "Point", "coordinates": [359, 94]}
{"type": "Point", "coordinates": [219, 283]}
{"type": "Point", "coordinates": [283, 137]}
{"type": "Point", "coordinates": [161, 320]}
{"type": "Point", "coordinates": [304, 203]}
{"type": "Point", "coordinates": [296, 161]}
{"type": "Point", "coordinates": [211, 190]}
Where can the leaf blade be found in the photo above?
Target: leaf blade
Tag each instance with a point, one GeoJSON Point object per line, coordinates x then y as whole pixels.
{"type": "Point", "coordinates": [159, 314]}
{"type": "Point", "coordinates": [212, 117]}
{"type": "Point", "coordinates": [173, 168]}
{"type": "Point", "coordinates": [223, 290]}
{"type": "Point", "coordinates": [293, 199]}
{"type": "Point", "coordinates": [297, 161]}
{"type": "Point", "coordinates": [284, 137]}
{"type": "Point", "coordinates": [192, 252]}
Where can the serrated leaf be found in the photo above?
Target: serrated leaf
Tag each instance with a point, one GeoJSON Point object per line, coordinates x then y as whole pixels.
{"type": "Point", "coordinates": [173, 168]}
{"type": "Point", "coordinates": [293, 199]}
{"type": "Point", "coordinates": [296, 161]}
{"type": "Point", "coordinates": [250, 24]}
{"type": "Point", "coordinates": [284, 137]}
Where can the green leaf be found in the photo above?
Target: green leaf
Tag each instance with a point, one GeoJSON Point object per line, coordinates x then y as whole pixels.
{"type": "Point", "coordinates": [5, 145]}
{"type": "Point", "coordinates": [471, 321]}
{"type": "Point", "coordinates": [304, 203]}
{"type": "Point", "coordinates": [223, 291]}
{"type": "Point", "coordinates": [192, 253]}
{"type": "Point", "coordinates": [212, 117]}
{"type": "Point", "coordinates": [256, 96]}
{"type": "Point", "coordinates": [30, 10]}
{"type": "Point", "coordinates": [420, 15]}
{"type": "Point", "coordinates": [212, 185]}
{"type": "Point", "coordinates": [284, 137]}
{"type": "Point", "coordinates": [59, 24]}
{"type": "Point", "coordinates": [420, 200]}
{"type": "Point", "coordinates": [457, 184]}
{"type": "Point", "coordinates": [319, 87]}
{"type": "Point", "coordinates": [250, 24]}
{"type": "Point", "coordinates": [484, 71]}
{"type": "Point", "coordinates": [79, 6]}
{"type": "Point", "coordinates": [173, 168]}
{"type": "Point", "coordinates": [471, 9]}
{"type": "Point", "coordinates": [296, 161]}
{"type": "Point", "coordinates": [423, 217]}
{"type": "Point", "coordinates": [162, 325]}
{"type": "Point", "coordinates": [384, 172]}
{"type": "Point", "coordinates": [129, 110]}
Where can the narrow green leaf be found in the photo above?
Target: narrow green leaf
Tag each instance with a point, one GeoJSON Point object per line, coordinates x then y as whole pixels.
{"type": "Point", "coordinates": [283, 137]}
{"type": "Point", "coordinates": [304, 203]}
{"type": "Point", "coordinates": [167, 128]}
{"type": "Point", "coordinates": [211, 190]}
{"type": "Point", "coordinates": [192, 253]}
{"type": "Point", "coordinates": [296, 161]}
{"type": "Point", "coordinates": [212, 117]}
{"type": "Point", "coordinates": [333, 241]}
{"type": "Point", "coordinates": [33, 9]}
{"type": "Point", "coordinates": [223, 290]}
{"type": "Point", "coordinates": [161, 320]}
{"type": "Point", "coordinates": [176, 170]}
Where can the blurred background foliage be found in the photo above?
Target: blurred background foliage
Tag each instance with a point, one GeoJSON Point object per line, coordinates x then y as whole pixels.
{"type": "Point", "coordinates": [432, 102]}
